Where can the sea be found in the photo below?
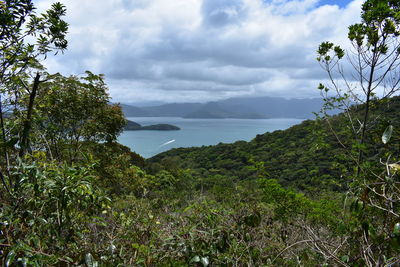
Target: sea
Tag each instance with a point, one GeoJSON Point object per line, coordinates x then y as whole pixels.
{"type": "Point", "coordinates": [197, 132]}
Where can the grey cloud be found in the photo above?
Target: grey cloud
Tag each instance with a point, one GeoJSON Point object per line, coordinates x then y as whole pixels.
{"type": "Point", "coordinates": [238, 51]}
{"type": "Point", "coordinates": [312, 72]}
{"type": "Point", "coordinates": [134, 4]}
{"type": "Point", "coordinates": [132, 69]}
{"type": "Point", "coordinates": [205, 91]}
{"type": "Point", "coordinates": [194, 57]}
{"type": "Point", "coordinates": [222, 12]}
{"type": "Point", "coordinates": [230, 49]}
{"type": "Point", "coordinates": [227, 75]}
{"type": "Point", "coordinates": [204, 86]}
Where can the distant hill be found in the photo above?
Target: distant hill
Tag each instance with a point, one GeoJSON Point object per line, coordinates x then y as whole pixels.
{"type": "Point", "coordinates": [131, 125]}
{"type": "Point", "coordinates": [244, 108]}
{"type": "Point", "coordinates": [166, 110]}
{"type": "Point", "coordinates": [134, 126]}
{"type": "Point", "coordinates": [132, 111]}
{"type": "Point", "coordinates": [216, 111]}
{"type": "Point", "coordinates": [274, 107]}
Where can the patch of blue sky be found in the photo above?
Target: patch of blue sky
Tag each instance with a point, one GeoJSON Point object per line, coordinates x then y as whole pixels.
{"type": "Point", "coordinates": [293, 7]}
{"type": "Point", "coordinates": [318, 3]}
{"type": "Point", "coordinates": [340, 3]}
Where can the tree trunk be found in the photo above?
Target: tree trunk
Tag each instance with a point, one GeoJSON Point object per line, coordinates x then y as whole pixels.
{"type": "Point", "coordinates": [5, 152]}
{"type": "Point", "coordinates": [366, 113]}
{"type": "Point", "coordinates": [28, 120]}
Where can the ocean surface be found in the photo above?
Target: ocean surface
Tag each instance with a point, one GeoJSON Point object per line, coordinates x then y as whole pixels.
{"type": "Point", "coordinates": [197, 132]}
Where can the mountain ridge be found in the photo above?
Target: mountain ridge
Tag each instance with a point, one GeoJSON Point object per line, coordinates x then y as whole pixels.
{"type": "Point", "coordinates": [240, 108]}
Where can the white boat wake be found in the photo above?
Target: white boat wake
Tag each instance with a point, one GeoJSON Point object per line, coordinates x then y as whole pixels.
{"type": "Point", "coordinates": [167, 143]}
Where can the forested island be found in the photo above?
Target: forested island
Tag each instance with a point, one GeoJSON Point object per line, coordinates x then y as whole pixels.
{"type": "Point", "coordinates": [134, 126]}
{"type": "Point", "coordinates": [325, 192]}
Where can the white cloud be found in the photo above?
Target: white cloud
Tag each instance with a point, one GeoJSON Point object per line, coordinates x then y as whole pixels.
{"type": "Point", "coordinates": [198, 50]}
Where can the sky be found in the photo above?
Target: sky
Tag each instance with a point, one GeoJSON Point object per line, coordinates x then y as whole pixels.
{"type": "Point", "coordinates": [202, 50]}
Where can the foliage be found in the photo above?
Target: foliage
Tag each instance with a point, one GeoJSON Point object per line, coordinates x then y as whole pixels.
{"type": "Point", "coordinates": [321, 193]}
{"type": "Point", "coordinates": [375, 60]}
{"type": "Point", "coordinates": [70, 110]}
{"type": "Point", "coordinates": [306, 156]}
{"type": "Point", "coordinates": [50, 211]}
{"type": "Point", "coordinates": [25, 36]}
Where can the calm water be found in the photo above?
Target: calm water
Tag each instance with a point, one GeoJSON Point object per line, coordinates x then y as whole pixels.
{"type": "Point", "coordinates": [197, 132]}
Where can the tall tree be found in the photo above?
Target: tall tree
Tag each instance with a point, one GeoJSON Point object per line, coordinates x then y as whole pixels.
{"type": "Point", "coordinates": [375, 62]}
{"type": "Point", "coordinates": [374, 76]}
{"type": "Point", "coordinates": [73, 110]}
{"type": "Point", "coordinates": [25, 38]}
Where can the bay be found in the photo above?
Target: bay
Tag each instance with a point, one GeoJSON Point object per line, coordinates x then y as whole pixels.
{"type": "Point", "coordinates": [197, 132]}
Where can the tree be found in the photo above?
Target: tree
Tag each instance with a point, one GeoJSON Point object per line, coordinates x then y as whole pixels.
{"type": "Point", "coordinates": [72, 110]}
{"type": "Point", "coordinates": [25, 38]}
{"type": "Point", "coordinates": [375, 59]}
{"type": "Point", "coordinates": [374, 190]}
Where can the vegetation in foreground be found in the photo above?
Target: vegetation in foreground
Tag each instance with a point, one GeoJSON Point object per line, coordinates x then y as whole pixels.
{"type": "Point", "coordinates": [323, 193]}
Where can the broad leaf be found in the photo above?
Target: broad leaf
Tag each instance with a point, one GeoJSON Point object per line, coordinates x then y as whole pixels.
{"type": "Point", "coordinates": [204, 261]}
{"type": "Point", "coordinates": [387, 134]}
{"type": "Point", "coordinates": [396, 229]}
{"type": "Point", "coordinates": [10, 258]}
{"type": "Point", "coordinates": [89, 260]}
{"type": "Point", "coordinates": [195, 259]}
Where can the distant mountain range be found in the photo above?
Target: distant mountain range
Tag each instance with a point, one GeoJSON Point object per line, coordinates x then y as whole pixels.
{"type": "Point", "coordinates": [241, 108]}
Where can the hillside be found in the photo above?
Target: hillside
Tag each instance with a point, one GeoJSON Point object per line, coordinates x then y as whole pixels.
{"type": "Point", "coordinates": [306, 156]}
{"type": "Point", "coordinates": [138, 112]}
{"type": "Point", "coordinates": [216, 110]}
{"type": "Point", "coordinates": [274, 107]}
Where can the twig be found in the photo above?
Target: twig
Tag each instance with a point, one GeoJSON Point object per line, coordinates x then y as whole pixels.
{"type": "Point", "coordinates": [292, 245]}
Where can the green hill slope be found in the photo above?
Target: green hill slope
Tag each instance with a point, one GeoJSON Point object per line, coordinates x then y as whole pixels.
{"type": "Point", "coordinates": [306, 156]}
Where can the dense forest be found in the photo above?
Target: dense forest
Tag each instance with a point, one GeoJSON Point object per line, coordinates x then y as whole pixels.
{"type": "Point", "coordinates": [325, 192]}
{"type": "Point", "coordinates": [305, 157]}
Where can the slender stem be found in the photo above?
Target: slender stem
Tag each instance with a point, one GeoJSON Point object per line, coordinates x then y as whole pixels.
{"type": "Point", "coordinates": [3, 180]}
{"type": "Point", "coordinates": [6, 158]}
{"type": "Point", "coordinates": [4, 137]}
{"type": "Point", "coordinates": [366, 113]}
{"type": "Point", "coordinates": [28, 120]}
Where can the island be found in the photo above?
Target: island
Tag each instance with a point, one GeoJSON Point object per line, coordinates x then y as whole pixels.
{"type": "Point", "coordinates": [134, 126]}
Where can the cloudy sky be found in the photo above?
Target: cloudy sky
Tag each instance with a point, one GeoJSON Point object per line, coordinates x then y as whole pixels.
{"type": "Point", "coordinates": [201, 50]}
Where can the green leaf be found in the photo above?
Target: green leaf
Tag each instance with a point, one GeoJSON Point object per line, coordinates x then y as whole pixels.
{"type": "Point", "coordinates": [395, 166]}
{"type": "Point", "coordinates": [10, 258]}
{"type": "Point", "coordinates": [112, 248]}
{"type": "Point", "coordinates": [188, 208]}
{"type": "Point", "coordinates": [12, 142]}
{"type": "Point", "coordinates": [89, 260]}
{"type": "Point", "coordinates": [22, 262]}
{"type": "Point", "coordinates": [396, 229]}
{"type": "Point", "coordinates": [195, 259]}
{"type": "Point", "coordinates": [204, 261]}
{"type": "Point", "coordinates": [345, 258]}
{"type": "Point", "coordinates": [387, 134]}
